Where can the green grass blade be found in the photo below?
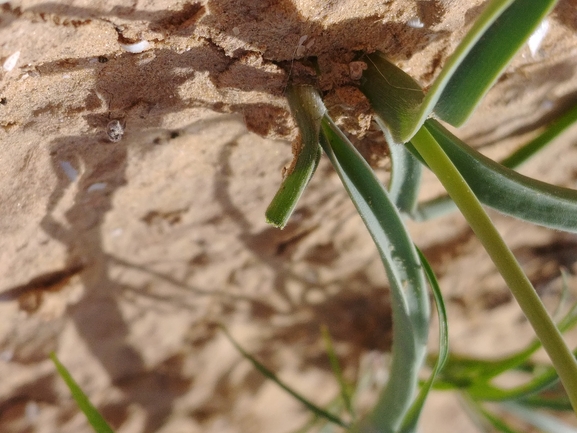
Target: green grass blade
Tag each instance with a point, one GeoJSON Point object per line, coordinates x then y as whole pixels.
{"type": "Point", "coordinates": [90, 412]}
{"type": "Point", "coordinates": [270, 375]}
{"type": "Point", "coordinates": [335, 366]}
{"type": "Point", "coordinates": [408, 291]}
{"type": "Point", "coordinates": [555, 129]}
{"type": "Point", "coordinates": [488, 58]}
{"type": "Point", "coordinates": [497, 423]}
{"type": "Point", "coordinates": [506, 190]}
{"type": "Point", "coordinates": [406, 176]}
{"type": "Point", "coordinates": [412, 417]}
{"type": "Point", "coordinates": [304, 106]}
{"type": "Point", "coordinates": [484, 391]}
{"type": "Point", "coordinates": [507, 265]}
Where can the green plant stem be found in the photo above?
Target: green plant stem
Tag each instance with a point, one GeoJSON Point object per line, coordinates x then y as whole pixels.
{"type": "Point", "coordinates": [552, 340]}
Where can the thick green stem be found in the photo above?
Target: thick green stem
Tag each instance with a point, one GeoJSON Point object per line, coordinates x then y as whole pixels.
{"type": "Point", "coordinates": [552, 340]}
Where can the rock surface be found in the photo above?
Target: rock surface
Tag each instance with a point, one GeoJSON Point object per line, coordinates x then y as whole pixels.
{"type": "Point", "coordinates": [141, 142]}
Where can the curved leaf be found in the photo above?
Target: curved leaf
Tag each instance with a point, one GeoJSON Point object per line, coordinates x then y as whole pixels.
{"type": "Point", "coordinates": [270, 375]}
{"type": "Point", "coordinates": [506, 190]}
{"type": "Point", "coordinates": [92, 415]}
{"type": "Point", "coordinates": [488, 58]}
{"type": "Point", "coordinates": [412, 417]}
{"type": "Point", "coordinates": [409, 298]}
{"type": "Point", "coordinates": [305, 106]}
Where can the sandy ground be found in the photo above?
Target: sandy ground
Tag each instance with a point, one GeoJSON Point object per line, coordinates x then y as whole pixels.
{"type": "Point", "coordinates": [122, 252]}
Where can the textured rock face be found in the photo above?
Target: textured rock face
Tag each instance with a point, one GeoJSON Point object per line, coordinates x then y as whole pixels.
{"type": "Point", "coordinates": [134, 181]}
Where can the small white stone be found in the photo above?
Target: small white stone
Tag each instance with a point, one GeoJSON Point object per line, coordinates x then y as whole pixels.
{"type": "Point", "coordinates": [236, 31]}
{"type": "Point", "coordinates": [10, 62]}
{"type": "Point", "coordinates": [137, 47]}
{"type": "Point", "coordinates": [415, 23]}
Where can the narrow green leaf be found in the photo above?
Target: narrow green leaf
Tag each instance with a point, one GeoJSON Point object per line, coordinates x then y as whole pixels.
{"type": "Point", "coordinates": [90, 412]}
{"type": "Point", "coordinates": [506, 190]}
{"type": "Point", "coordinates": [412, 417]}
{"type": "Point", "coordinates": [497, 423]}
{"type": "Point", "coordinates": [270, 375]}
{"type": "Point", "coordinates": [335, 366]}
{"type": "Point", "coordinates": [401, 261]}
{"type": "Point", "coordinates": [487, 59]}
{"type": "Point", "coordinates": [308, 109]}
{"type": "Point", "coordinates": [556, 128]}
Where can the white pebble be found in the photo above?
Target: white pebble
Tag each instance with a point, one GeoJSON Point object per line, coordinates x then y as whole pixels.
{"type": "Point", "coordinates": [137, 47]}
{"type": "Point", "coordinates": [10, 62]}
{"type": "Point", "coordinates": [415, 23]}
{"type": "Point", "coordinates": [236, 31]}
{"type": "Point", "coordinates": [537, 37]}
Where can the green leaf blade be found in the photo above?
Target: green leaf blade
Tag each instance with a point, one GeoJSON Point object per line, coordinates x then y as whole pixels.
{"type": "Point", "coordinates": [411, 419]}
{"type": "Point", "coordinates": [304, 106]}
{"type": "Point", "coordinates": [394, 95]}
{"type": "Point", "coordinates": [506, 190]}
{"type": "Point", "coordinates": [487, 59]}
{"type": "Point", "coordinates": [406, 279]}
{"type": "Point", "coordinates": [92, 415]}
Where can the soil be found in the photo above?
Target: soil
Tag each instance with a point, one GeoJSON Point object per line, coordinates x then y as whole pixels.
{"type": "Point", "coordinates": [134, 186]}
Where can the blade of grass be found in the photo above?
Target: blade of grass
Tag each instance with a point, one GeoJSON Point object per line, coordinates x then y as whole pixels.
{"type": "Point", "coordinates": [90, 412]}
{"type": "Point", "coordinates": [508, 267]}
{"type": "Point", "coordinates": [558, 126]}
{"type": "Point", "coordinates": [270, 375]}
{"type": "Point", "coordinates": [305, 106]}
{"type": "Point", "coordinates": [412, 417]}
{"type": "Point", "coordinates": [335, 366]}
{"type": "Point", "coordinates": [497, 423]}
{"type": "Point", "coordinates": [408, 292]}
